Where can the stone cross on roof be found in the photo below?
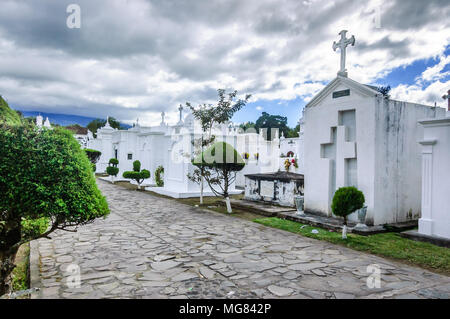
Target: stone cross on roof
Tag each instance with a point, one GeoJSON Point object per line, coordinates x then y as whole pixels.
{"type": "Point", "coordinates": [181, 113]}
{"type": "Point", "coordinates": [342, 45]}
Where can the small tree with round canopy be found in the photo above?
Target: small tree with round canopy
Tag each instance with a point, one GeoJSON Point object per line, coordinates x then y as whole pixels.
{"type": "Point", "coordinates": [44, 174]}
{"type": "Point", "coordinates": [346, 200]}
{"type": "Point", "coordinates": [221, 161]}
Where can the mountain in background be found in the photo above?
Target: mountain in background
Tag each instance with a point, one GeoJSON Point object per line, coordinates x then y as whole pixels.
{"type": "Point", "coordinates": [65, 119]}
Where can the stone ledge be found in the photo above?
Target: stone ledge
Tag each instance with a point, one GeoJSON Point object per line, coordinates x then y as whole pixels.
{"type": "Point", "coordinates": [315, 220]}
{"type": "Point", "coordinates": [35, 277]}
{"type": "Point", "coordinates": [415, 235]}
{"type": "Point", "coordinates": [260, 208]}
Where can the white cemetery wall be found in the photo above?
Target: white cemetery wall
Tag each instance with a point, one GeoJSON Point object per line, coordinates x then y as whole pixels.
{"type": "Point", "coordinates": [398, 174]}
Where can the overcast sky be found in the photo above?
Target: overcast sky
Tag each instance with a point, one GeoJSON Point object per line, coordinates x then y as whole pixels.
{"type": "Point", "coordinates": [136, 58]}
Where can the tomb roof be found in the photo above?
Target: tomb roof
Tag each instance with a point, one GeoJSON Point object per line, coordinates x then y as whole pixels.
{"type": "Point", "coordinates": [281, 176]}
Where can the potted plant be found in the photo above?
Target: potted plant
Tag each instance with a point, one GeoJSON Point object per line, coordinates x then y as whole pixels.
{"type": "Point", "coordinates": [346, 200]}
{"type": "Point", "coordinates": [362, 212]}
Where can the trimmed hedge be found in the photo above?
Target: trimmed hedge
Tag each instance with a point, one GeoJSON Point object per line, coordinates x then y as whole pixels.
{"type": "Point", "coordinates": [136, 174]}
{"type": "Point", "coordinates": [46, 174]}
{"type": "Point", "coordinates": [112, 170]}
{"type": "Point", "coordinates": [220, 155]}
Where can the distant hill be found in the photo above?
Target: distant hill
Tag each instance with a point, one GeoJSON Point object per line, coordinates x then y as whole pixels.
{"type": "Point", "coordinates": [7, 114]}
{"type": "Point", "coordinates": [64, 119]}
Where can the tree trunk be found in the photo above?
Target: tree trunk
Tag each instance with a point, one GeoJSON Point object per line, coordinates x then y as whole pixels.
{"type": "Point", "coordinates": [10, 236]}
{"type": "Point", "coordinates": [344, 229]}
{"type": "Point", "coordinates": [201, 189]}
{"type": "Point", "coordinates": [6, 267]}
{"type": "Point", "coordinates": [225, 192]}
{"type": "Point", "coordinates": [227, 201]}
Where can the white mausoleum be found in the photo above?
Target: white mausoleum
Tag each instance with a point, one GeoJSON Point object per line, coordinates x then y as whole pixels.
{"type": "Point", "coordinates": [171, 146]}
{"type": "Point", "coordinates": [355, 136]}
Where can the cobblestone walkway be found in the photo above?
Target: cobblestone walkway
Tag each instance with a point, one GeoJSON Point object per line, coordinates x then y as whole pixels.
{"type": "Point", "coordinates": [150, 247]}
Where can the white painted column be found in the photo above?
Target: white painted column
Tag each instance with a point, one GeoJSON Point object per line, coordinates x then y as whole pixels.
{"type": "Point", "coordinates": [426, 221]}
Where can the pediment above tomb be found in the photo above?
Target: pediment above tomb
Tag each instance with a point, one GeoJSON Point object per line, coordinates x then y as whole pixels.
{"type": "Point", "coordinates": [342, 87]}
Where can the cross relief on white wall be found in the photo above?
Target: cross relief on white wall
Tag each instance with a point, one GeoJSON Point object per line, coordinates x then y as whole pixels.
{"type": "Point", "coordinates": [340, 150]}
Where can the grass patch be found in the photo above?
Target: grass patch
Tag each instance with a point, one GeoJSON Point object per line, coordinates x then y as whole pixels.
{"type": "Point", "coordinates": [390, 245]}
{"type": "Point", "coordinates": [216, 204]}
{"type": "Point", "coordinates": [20, 277]}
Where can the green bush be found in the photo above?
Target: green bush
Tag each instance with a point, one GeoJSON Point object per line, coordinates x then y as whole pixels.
{"type": "Point", "coordinates": [136, 166]}
{"type": "Point", "coordinates": [158, 179]}
{"type": "Point", "coordinates": [34, 227]}
{"type": "Point", "coordinates": [136, 174]}
{"type": "Point", "coordinates": [220, 162]}
{"type": "Point", "coordinates": [220, 155]}
{"type": "Point", "coordinates": [145, 174]}
{"type": "Point", "coordinates": [114, 162]}
{"type": "Point", "coordinates": [112, 170]}
{"type": "Point", "coordinates": [346, 200]}
{"type": "Point", "coordinates": [43, 174]}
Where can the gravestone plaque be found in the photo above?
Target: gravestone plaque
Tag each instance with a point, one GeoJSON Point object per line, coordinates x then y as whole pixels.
{"type": "Point", "coordinates": [342, 93]}
{"type": "Point", "coordinates": [267, 189]}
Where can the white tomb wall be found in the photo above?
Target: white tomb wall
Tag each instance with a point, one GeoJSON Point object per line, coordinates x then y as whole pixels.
{"type": "Point", "coordinates": [435, 220]}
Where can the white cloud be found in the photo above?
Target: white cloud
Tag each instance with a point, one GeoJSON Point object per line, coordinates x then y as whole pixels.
{"type": "Point", "coordinates": [429, 87]}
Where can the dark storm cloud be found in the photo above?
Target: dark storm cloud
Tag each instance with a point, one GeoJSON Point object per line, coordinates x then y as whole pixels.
{"type": "Point", "coordinates": [395, 48]}
{"type": "Point", "coordinates": [158, 53]}
{"type": "Point", "coordinates": [415, 14]}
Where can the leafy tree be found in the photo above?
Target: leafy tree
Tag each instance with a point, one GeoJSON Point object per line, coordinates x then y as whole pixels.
{"type": "Point", "coordinates": [112, 169]}
{"type": "Point", "coordinates": [209, 115]}
{"type": "Point", "coordinates": [248, 126]}
{"type": "Point", "coordinates": [8, 115]}
{"type": "Point", "coordinates": [221, 161]}
{"type": "Point", "coordinates": [269, 122]}
{"type": "Point", "coordinates": [136, 174]}
{"type": "Point", "coordinates": [43, 174]}
{"type": "Point", "coordinates": [94, 125]}
{"type": "Point", "coordinates": [346, 200]}
{"type": "Point", "coordinates": [293, 132]}
{"type": "Point", "coordinates": [384, 90]}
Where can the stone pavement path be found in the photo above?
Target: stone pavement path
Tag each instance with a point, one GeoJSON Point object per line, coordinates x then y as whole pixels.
{"type": "Point", "coordinates": [150, 247]}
